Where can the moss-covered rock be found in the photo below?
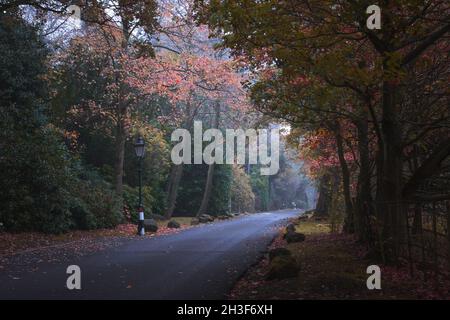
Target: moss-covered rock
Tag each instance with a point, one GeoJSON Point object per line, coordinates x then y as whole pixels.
{"type": "Point", "coordinates": [292, 236]}
{"type": "Point", "coordinates": [290, 227]}
{"type": "Point", "coordinates": [205, 218]}
{"type": "Point", "coordinates": [278, 252]}
{"type": "Point", "coordinates": [172, 224]}
{"type": "Point", "coordinates": [282, 267]}
{"type": "Point", "coordinates": [150, 225]}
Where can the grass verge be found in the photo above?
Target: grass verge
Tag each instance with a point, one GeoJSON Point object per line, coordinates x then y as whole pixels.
{"type": "Point", "coordinates": [331, 266]}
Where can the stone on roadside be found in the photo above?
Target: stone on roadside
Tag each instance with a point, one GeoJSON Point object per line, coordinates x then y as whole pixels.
{"type": "Point", "coordinates": [150, 225]}
{"type": "Point", "coordinates": [282, 267]}
{"type": "Point", "coordinates": [290, 227]}
{"type": "Point", "coordinates": [194, 221]}
{"type": "Point", "coordinates": [205, 218]}
{"type": "Point", "coordinates": [173, 224]}
{"type": "Point", "coordinates": [278, 252]}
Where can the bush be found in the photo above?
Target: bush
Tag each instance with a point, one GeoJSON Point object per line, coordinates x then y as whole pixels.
{"type": "Point", "coordinates": [192, 187]}
{"type": "Point", "coordinates": [131, 201]}
{"type": "Point", "coordinates": [35, 182]}
{"type": "Point", "coordinates": [82, 216]}
{"type": "Point", "coordinates": [260, 186]}
{"type": "Point", "coordinates": [105, 208]}
{"type": "Point", "coordinates": [220, 194]}
{"type": "Point", "coordinates": [34, 161]}
{"type": "Point", "coordinates": [44, 190]}
{"type": "Point", "coordinates": [242, 196]}
{"type": "Point", "coordinates": [93, 203]}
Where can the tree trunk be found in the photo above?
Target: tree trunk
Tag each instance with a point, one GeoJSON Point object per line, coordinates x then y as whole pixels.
{"type": "Point", "coordinates": [208, 189]}
{"type": "Point", "coordinates": [429, 167]}
{"type": "Point", "coordinates": [323, 202]}
{"type": "Point", "coordinates": [121, 133]}
{"type": "Point", "coordinates": [349, 219]}
{"type": "Point", "coordinates": [417, 222]}
{"type": "Point", "coordinates": [119, 157]}
{"type": "Point", "coordinates": [209, 178]}
{"type": "Point", "coordinates": [379, 184]}
{"type": "Point", "coordinates": [364, 191]}
{"type": "Point", "coordinates": [172, 191]}
{"type": "Point", "coordinates": [177, 172]}
{"type": "Point", "coordinates": [392, 171]}
{"type": "Point", "coordinates": [390, 193]}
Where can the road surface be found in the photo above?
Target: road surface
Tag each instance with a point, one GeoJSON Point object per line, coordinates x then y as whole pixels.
{"type": "Point", "coordinates": [198, 263]}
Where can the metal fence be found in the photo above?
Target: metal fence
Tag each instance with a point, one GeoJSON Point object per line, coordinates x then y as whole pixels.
{"type": "Point", "coordinates": [426, 246]}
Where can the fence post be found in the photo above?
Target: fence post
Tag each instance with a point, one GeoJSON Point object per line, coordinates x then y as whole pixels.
{"type": "Point", "coordinates": [408, 239]}
{"type": "Point", "coordinates": [435, 258]}
{"type": "Point", "coordinates": [422, 245]}
{"type": "Point", "coordinates": [447, 204]}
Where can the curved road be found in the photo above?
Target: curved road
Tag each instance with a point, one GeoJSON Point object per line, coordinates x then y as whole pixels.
{"type": "Point", "coordinates": [199, 263]}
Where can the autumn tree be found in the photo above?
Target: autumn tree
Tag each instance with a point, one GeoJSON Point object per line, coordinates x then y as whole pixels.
{"type": "Point", "coordinates": [206, 81]}
{"type": "Point", "coordinates": [330, 43]}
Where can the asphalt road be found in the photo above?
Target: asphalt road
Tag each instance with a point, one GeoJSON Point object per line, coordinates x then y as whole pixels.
{"type": "Point", "coordinates": [198, 263]}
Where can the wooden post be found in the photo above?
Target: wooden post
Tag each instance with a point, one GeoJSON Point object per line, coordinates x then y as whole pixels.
{"type": "Point", "coordinates": [435, 258]}
{"type": "Point", "coordinates": [447, 203]}
{"type": "Point", "coordinates": [422, 245]}
{"type": "Point", "coordinates": [408, 239]}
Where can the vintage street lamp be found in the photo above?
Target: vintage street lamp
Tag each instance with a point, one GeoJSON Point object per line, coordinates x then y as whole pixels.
{"type": "Point", "coordinates": [139, 148]}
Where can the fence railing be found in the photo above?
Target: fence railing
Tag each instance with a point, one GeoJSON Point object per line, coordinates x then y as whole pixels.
{"type": "Point", "coordinates": [425, 244]}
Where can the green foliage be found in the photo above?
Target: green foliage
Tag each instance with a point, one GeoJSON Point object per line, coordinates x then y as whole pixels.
{"type": "Point", "coordinates": [191, 190]}
{"type": "Point", "coordinates": [96, 127]}
{"type": "Point", "coordinates": [242, 196]}
{"type": "Point", "coordinates": [93, 203]}
{"type": "Point", "coordinates": [34, 161]}
{"type": "Point", "coordinates": [260, 186]}
{"type": "Point", "coordinates": [155, 166]}
{"type": "Point", "coordinates": [43, 188]}
{"type": "Point", "coordinates": [35, 182]}
{"type": "Point", "coordinates": [131, 201]}
{"type": "Point", "coordinates": [192, 187]}
{"type": "Point", "coordinates": [220, 194]}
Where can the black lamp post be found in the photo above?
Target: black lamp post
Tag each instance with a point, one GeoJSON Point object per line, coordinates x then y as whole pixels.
{"type": "Point", "coordinates": [139, 148]}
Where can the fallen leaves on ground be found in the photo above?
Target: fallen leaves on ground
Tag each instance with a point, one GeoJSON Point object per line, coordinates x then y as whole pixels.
{"type": "Point", "coordinates": [332, 266]}
{"type": "Point", "coordinates": [14, 243]}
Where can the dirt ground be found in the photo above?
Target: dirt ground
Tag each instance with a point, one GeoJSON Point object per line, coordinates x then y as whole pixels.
{"type": "Point", "coordinates": [332, 266]}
